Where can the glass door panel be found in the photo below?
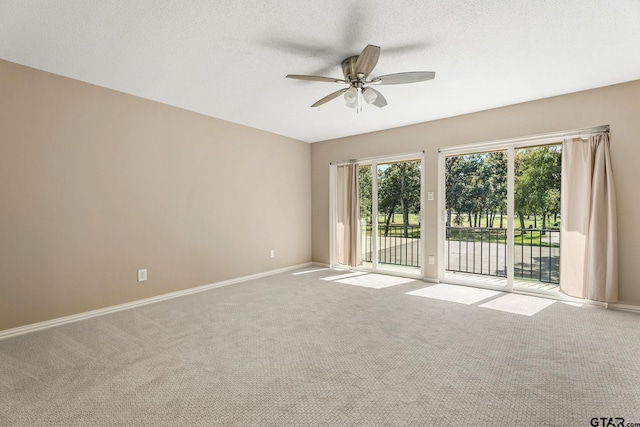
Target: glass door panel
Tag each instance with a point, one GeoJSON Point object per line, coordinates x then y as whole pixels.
{"type": "Point", "coordinates": [476, 229]}
{"type": "Point", "coordinates": [537, 178]}
{"type": "Point", "coordinates": [398, 216]}
{"type": "Point", "coordinates": [365, 183]}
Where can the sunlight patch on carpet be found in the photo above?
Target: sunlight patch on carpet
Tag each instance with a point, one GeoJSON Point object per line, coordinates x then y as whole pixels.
{"type": "Point", "coordinates": [344, 276]}
{"type": "Point", "coordinates": [519, 304]}
{"type": "Point", "coordinates": [310, 271]}
{"type": "Point", "coordinates": [375, 281]}
{"type": "Point", "coordinates": [460, 294]}
{"type": "Point", "coordinates": [572, 304]}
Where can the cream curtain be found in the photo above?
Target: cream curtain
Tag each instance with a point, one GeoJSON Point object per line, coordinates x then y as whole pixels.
{"type": "Point", "coordinates": [589, 261]}
{"type": "Point", "coordinates": [348, 216]}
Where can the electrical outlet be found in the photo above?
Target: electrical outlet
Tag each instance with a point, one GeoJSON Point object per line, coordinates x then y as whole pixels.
{"type": "Point", "coordinates": [432, 259]}
{"type": "Point", "coordinates": [142, 275]}
{"type": "Point", "coordinates": [272, 253]}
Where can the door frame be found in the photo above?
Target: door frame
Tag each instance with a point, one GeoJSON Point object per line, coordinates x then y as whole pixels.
{"type": "Point", "coordinates": [509, 146]}
{"type": "Point", "coordinates": [374, 162]}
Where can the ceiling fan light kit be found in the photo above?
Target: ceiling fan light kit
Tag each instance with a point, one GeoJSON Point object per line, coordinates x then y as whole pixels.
{"type": "Point", "coordinates": [356, 70]}
{"type": "Point", "coordinates": [369, 95]}
{"type": "Point", "coordinates": [351, 97]}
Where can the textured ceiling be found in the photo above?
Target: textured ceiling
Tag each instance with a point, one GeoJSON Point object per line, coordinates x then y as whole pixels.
{"type": "Point", "coordinates": [228, 59]}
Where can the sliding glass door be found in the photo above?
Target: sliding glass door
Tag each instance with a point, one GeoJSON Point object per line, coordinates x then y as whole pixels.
{"type": "Point", "coordinates": [536, 244]}
{"type": "Point", "coordinates": [476, 228]}
{"type": "Point", "coordinates": [390, 206]}
{"type": "Point", "coordinates": [502, 217]}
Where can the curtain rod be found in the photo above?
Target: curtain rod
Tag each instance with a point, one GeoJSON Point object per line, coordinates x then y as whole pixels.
{"type": "Point", "coordinates": [393, 157]}
{"type": "Point", "coordinates": [575, 133]}
{"type": "Point", "coordinates": [344, 162]}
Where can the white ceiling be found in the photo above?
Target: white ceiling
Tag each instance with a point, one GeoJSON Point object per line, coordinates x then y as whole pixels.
{"type": "Point", "coordinates": [228, 59]}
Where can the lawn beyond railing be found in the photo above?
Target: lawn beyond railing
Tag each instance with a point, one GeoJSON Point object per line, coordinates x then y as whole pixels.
{"type": "Point", "coordinates": [401, 245]}
{"type": "Point", "coordinates": [482, 250]}
{"type": "Point", "coordinates": [476, 250]}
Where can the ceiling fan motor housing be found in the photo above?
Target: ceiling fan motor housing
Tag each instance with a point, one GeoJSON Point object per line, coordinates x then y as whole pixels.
{"type": "Point", "coordinates": [349, 71]}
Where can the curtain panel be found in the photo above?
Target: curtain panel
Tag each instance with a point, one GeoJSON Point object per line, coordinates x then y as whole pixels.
{"type": "Point", "coordinates": [589, 261]}
{"type": "Point", "coordinates": [348, 216]}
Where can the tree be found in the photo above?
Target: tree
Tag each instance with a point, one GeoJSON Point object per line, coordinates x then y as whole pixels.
{"type": "Point", "coordinates": [493, 171]}
{"type": "Point", "coordinates": [399, 187]}
{"type": "Point", "coordinates": [476, 185]}
{"type": "Point", "coordinates": [521, 186]}
{"type": "Point", "coordinates": [497, 164]}
{"type": "Point", "coordinates": [364, 182]}
{"type": "Point", "coordinates": [454, 181]}
{"type": "Point", "coordinates": [537, 182]}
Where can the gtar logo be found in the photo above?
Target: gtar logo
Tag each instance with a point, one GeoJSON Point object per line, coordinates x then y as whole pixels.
{"type": "Point", "coordinates": [607, 422]}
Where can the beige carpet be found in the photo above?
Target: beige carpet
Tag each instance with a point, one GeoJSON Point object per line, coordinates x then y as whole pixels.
{"type": "Point", "coordinates": [294, 349]}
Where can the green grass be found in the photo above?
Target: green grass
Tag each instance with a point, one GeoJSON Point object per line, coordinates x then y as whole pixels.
{"type": "Point", "coordinates": [528, 223]}
{"type": "Point", "coordinates": [533, 238]}
{"type": "Point", "coordinates": [529, 238]}
{"type": "Point", "coordinates": [413, 233]}
{"type": "Point", "coordinates": [398, 230]}
{"type": "Point", "coordinates": [397, 219]}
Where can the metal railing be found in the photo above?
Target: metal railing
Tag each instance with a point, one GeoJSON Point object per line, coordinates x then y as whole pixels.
{"type": "Point", "coordinates": [482, 250]}
{"type": "Point", "coordinates": [397, 245]}
{"type": "Point", "coordinates": [537, 255]}
{"type": "Point", "coordinates": [477, 250]}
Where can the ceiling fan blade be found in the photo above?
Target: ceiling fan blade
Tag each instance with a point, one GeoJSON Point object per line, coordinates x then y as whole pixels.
{"type": "Point", "coordinates": [401, 78]}
{"type": "Point", "coordinates": [316, 78]}
{"type": "Point", "coordinates": [380, 101]}
{"type": "Point", "coordinates": [330, 97]}
{"type": "Point", "coordinates": [367, 60]}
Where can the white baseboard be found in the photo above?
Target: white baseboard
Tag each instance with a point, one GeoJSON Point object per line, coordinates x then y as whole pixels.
{"type": "Point", "coordinates": [624, 307]}
{"type": "Point", "coordinates": [320, 264]}
{"type": "Point", "coordinates": [102, 311]}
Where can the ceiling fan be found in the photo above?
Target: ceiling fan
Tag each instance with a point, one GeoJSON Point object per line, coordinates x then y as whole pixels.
{"type": "Point", "coordinates": [356, 70]}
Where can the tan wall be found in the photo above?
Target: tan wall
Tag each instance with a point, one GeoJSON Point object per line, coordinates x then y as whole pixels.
{"type": "Point", "coordinates": [617, 106]}
{"type": "Point", "coordinates": [95, 184]}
